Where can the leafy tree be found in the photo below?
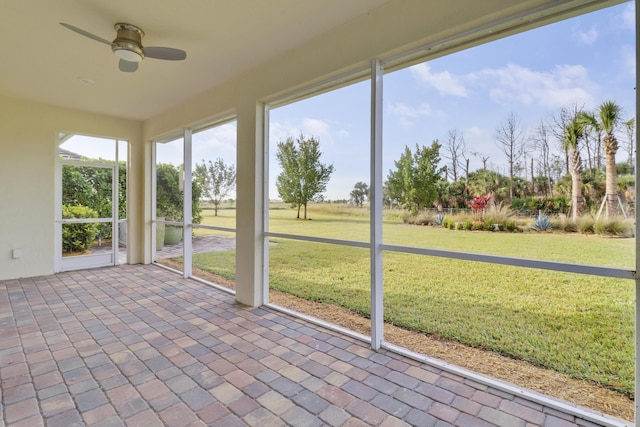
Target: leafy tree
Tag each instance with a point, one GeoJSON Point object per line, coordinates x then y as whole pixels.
{"type": "Point", "coordinates": [303, 177]}
{"type": "Point", "coordinates": [359, 193]}
{"type": "Point", "coordinates": [216, 179]}
{"type": "Point", "coordinates": [169, 196]}
{"type": "Point", "coordinates": [77, 188]}
{"type": "Point", "coordinates": [92, 187]}
{"type": "Point", "coordinates": [88, 186]}
{"type": "Point", "coordinates": [414, 182]}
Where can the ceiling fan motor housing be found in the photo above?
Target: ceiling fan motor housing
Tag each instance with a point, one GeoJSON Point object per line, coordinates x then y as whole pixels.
{"type": "Point", "coordinates": [128, 42]}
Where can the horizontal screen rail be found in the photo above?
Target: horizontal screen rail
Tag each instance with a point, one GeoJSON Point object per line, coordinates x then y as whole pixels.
{"type": "Point", "coordinates": [592, 270]}
{"type": "Point", "coordinates": [84, 220]}
{"type": "Point", "coordinates": [353, 243]}
{"type": "Point", "coordinates": [214, 227]}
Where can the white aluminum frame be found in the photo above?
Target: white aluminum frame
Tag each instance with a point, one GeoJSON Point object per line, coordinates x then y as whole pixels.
{"type": "Point", "coordinates": [187, 222]}
{"type": "Point", "coordinates": [187, 206]}
{"type": "Point", "coordinates": [375, 218]}
{"type": "Point", "coordinates": [521, 22]}
{"type": "Point", "coordinates": [637, 231]}
{"type": "Point", "coordinates": [92, 260]}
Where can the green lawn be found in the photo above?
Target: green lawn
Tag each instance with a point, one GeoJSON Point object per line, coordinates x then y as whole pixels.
{"type": "Point", "coordinates": [575, 324]}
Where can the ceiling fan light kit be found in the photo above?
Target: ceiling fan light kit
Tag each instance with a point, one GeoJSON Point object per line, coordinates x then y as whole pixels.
{"type": "Point", "coordinates": [128, 46]}
{"type": "Point", "coordinates": [128, 42]}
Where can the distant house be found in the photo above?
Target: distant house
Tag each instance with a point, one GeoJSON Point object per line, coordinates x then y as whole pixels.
{"type": "Point", "coordinates": [68, 155]}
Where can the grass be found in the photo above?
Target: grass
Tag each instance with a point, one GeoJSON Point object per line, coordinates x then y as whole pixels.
{"type": "Point", "coordinates": [578, 325]}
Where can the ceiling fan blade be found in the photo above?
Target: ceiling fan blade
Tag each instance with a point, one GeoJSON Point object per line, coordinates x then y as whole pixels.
{"type": "Point", "coordinates": [86, 33]}
{"type": "Point", "coordinates": [127, 67]}
{"type": "Point", "coordinates": [167, 53]}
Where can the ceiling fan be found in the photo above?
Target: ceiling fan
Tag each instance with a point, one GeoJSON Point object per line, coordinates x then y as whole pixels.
{"type": "Point", "coordinates": [128, 46]}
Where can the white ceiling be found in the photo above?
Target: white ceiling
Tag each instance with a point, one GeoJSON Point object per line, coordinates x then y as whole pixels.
{"type": "Point", "coordinates": [45, 62]}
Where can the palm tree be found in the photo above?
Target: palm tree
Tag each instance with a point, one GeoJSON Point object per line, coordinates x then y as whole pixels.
{"type": "Point", "coordinates": [609, 117]}
{"type": "Point", "coordinates": [630, 127]}
{"type": "Point", "coordinates": [573, 133]}
{"type": "Point", "coordinates": [591, 128]}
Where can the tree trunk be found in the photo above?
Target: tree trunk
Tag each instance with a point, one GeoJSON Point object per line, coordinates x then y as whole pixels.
{"type": "Point", "coordinates": [576, 196]}
{"type": "Point", "coordinates": [305, 210]}
{"type": "Point", "coordinates": [599, 152]}
{"type": "Point", "coordinates": [298, 217]}
{"type": "Point", "coordinates": [610, 185]}
{"type": "Point", "coordinates": [511, 180]}
{"type": "Point", "coordinates": [576, 187]}
{"type": "Point", "coordinates": [466, 178]}
{"type": "Point", "coordinates": [533, 182]}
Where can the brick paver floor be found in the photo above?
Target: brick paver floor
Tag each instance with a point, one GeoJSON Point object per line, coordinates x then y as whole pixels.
{"type": "Point", "coordinates": [140, 346]}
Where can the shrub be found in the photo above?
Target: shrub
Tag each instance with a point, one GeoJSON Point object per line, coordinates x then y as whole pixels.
{"type": "Point", "coordinates": [446, 222]}
{"type": "Point", "coordinates": [455, 222]}
{"type": "Point", "coordinates": [420, 219]}
{"type": "Point", "coordinates": [586, 224]}
{"type": "Point", "coordinates": [479, 203]}
{"type": "Point", "coordinates": [542, 223]}
{"type": "Point", "coordinates": [510, 225]}
{"type": "Point", "coordinates": [498, 214]}
{"type": "Point", "coordinates": [479, 225]}
{"type": "Point", "coordinates": [424, 219]}
{"type": "Point", "coordinates": [407, 218]}
{"type": "Point", "coordinates": [614, 227]}
{"type": "Point", "coordinates": [564, 223]}
{"type": "Point", "coordinates": [78, 237]}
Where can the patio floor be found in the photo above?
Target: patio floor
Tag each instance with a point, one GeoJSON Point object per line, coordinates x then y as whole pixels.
{"type": "Point", "coordinates": [140, 346]}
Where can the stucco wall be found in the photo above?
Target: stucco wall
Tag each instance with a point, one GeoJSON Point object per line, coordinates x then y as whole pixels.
{"type": "Point", "coordinates": [28, 147]}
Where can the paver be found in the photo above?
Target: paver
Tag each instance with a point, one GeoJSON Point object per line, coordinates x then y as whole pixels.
{"type": "Point", "coordinates": [139, 345]}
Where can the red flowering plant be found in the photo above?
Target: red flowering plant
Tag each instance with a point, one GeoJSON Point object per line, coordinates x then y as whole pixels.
{"type": "Point", "coordinates": [478, 203]}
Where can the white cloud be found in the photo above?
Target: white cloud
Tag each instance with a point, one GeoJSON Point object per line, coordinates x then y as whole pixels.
{"type": "Point", "coordinates": [564, 85]}
{"type": "Point", "coordinates": [477, 133]}
{"type": "Point", "coordinates": [628, 53]}
{"type": "Point", "coordinates": [589, 37]}
{"type": "Point", "coordinates": [343, 133]}
{"type": "Point", "coordinates": [444, 82]}
{"type": "Point", "coordinates": [404, 110]}
{"type": "Point", "coordinates": [281, 131]}
{"type": "Point", "coordinates": [315, 127]}
{"type": "Point", "coordinates": [479, 143]}
{"type": "Point", "coordinates": [217, 142]}
{"type": "Point", "coordinates": [407, 115]}
{"type": "Point", "coordinates": [628, 17]}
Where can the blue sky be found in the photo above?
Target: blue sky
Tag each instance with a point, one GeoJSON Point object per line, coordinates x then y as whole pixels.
{"type": "Point", "coordinates": [585, 60]}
